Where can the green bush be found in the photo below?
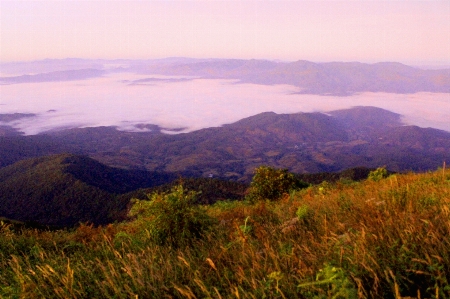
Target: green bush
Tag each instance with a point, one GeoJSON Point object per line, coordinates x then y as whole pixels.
{"type": "Point", "coordinates": [378, 174]}
{"type": "Point", "coordinates": [270, 183]}
{"type": "Point", "coordinates": [172, 219]}
{"type": "Point", "coordinates": [331, 282]}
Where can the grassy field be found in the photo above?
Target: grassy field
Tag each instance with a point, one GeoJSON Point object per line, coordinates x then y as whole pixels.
{"type": "Point", "coordinates": [386, 238]}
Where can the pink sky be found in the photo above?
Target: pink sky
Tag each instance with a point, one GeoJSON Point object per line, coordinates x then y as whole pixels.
{"type": "Point", "coordinates": [412, 32]}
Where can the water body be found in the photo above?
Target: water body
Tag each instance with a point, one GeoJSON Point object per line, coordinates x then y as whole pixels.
{"type": "Point", "coordinates": [126, 100]}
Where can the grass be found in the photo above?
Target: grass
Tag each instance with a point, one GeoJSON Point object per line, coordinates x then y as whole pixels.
{"type": "Point", "coordinates": [372, 239]}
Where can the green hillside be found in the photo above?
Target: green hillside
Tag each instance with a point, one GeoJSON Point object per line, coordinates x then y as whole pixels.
{"type": "Point", "coordinates": [64, 190]}
{"type": "Point", "coordinates": [384, 237]}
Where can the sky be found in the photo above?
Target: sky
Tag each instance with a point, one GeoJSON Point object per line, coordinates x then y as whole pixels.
{"type": "Point", "coordinates": [411, 32]}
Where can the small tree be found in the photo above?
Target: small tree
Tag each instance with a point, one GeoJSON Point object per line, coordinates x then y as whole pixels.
{"type": "Point", "coordinates": [270, 183]}
{"type": "Point", "coordinates": [174, 218]}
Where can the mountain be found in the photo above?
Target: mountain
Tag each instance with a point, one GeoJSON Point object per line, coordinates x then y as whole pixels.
{"type": "Point", "coordinates": [64, 190]}
{"type": "Point", "coordinates": [335, 78]}
{"type": "Point", "coordinates": [48, 65]}
{"type": "Point", "coordinates": [303, 143]}
{"type": "Point", "coordinates": [330, 78]}
{"type": "Point", "coordinates": [55, 76]}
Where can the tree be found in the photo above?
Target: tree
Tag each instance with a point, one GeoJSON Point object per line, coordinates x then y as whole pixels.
{"type": "Point", "coordinates": [270, 183]}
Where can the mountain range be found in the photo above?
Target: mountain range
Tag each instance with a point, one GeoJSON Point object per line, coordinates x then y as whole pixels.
{"type": "Point", "coordinates": [331, 78]}
{"type": "Point", "coordinates": [303, 143]}
{"type": "Point", "coordinates": [336, 78]}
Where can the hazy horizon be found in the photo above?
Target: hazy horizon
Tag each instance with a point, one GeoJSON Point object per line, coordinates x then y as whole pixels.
{"type": "Point", "coordinates": [410, 32]}
{"type": "Point", "coordinates": [421, 65]}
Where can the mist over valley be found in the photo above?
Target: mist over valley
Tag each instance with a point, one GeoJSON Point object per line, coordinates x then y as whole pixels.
{"type": "Point", "coordinates": [185, 95]}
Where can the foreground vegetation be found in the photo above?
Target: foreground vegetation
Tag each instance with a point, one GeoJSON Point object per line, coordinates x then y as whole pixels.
{"type": "Point", "coordinates": [385, 237]}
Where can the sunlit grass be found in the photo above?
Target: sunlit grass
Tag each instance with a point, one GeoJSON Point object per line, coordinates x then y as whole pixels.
{"type": "Point", "coordinates": [374, 239]}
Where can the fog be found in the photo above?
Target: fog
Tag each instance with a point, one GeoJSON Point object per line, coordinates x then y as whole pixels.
{"type": "Point", "coordinates": [189, 103]}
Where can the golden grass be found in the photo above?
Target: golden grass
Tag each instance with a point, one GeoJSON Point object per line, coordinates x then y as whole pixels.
{"type": "Point", "coordinates": [385, 239]}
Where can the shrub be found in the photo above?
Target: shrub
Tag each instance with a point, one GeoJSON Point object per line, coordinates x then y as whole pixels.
{"type": "Point", "coordinates": [174, 218]}
{"type": "Point", "coordinates": [303, 212]}
{"type": "Point", "coordinates": [378, 174]}
{"type": "Point", "coordinates": [331, 282]}
{"type": "Point", "coordinates": [270, 183]}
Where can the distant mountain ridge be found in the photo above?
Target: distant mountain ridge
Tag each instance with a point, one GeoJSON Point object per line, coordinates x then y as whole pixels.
{"type": "Point", "coordinates": [335, 78]}
{"type": "Point", "coordinates": [329, 78]}
{"type": "Point", "coordinates": [56, 76]}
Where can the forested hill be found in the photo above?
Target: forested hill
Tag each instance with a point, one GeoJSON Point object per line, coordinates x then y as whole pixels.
{"type": "Point", "coordinates": [64, 190]}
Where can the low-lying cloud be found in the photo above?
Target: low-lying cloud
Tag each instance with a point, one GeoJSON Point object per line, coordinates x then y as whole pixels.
{"type": "Point", "coordinates": [191, 104]}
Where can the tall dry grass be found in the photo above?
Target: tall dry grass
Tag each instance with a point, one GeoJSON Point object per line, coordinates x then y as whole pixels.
{"type": "Point", "coordinates": [385, 239]}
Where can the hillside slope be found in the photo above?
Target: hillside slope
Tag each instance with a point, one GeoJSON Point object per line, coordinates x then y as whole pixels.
{"type": "Point", "coordinates": [380, 238]}
{"type": "Point", "coordinates": [64, 190]}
